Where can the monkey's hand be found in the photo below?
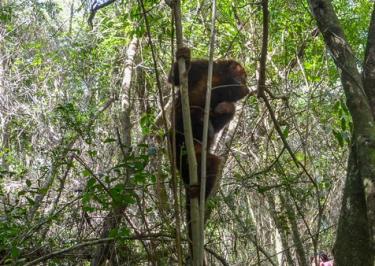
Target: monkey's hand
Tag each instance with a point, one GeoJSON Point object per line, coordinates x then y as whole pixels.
{"type": "Point", "coordinates": [194, 191]}
{"type": "Point", "coordinates": [224, 108]}
{"type": "Point", "coordinates": [185, 53]}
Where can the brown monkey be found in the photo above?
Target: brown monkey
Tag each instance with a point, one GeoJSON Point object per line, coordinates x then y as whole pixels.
{"type": "Point", "coordinates": [228, 86]}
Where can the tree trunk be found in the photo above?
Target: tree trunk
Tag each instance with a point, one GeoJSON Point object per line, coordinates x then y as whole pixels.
{"type": "Point", "coordinates": [369, 86]}
{"type": "Point", "coordinates": [280, 233]}
{"type": "Point", "coordinates": [354, 243]}
{"type": "Point", "coordinates": [300, 251]}
{"type": "Point", "coordinates": [4, 126]}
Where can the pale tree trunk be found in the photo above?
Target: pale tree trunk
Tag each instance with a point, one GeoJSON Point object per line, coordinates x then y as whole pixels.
{"type": "Point", "coordinates": [355, 234]}
{"type": "Point", "coordinates": [203, 173]}
{"type": "Point", "coordinates": [113, 219]}
{"type": "Point", "coordinates": [3, 101]}
{"type": "Point", "coordinates": [291, 214]}
{"type": "Point", "coordinates": [281, 236]}
{"type": "Point", "coordinates": [278, 247]}
{"type": "Point", "coordinates": [192, 161]}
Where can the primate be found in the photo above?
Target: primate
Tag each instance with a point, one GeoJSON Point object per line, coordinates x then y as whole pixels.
{"type": "Point", "coordinates": [228, 86]}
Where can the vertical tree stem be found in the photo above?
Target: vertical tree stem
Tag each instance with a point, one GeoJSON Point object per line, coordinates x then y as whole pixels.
{"type": "Point", "coordinates": [205, 131]}
{"type": "Point", "coordinates": [194, 205]}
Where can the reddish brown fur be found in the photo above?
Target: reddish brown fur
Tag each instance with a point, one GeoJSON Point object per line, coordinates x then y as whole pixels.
{"type": "Point", "coordinates": [225, 72]}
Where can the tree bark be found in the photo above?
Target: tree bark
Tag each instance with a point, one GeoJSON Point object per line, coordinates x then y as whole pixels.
{"type": "Point", "coordinates": [355, 235]}
{"type": "Point", "coordinates": [369, 85]}
{"type": "Point", "coordinates": [352, 245]}
{"type": "Point", "coordinates": [279, 230]}
{"type": "Point", "coordinates": [4, 126]}
{"type": "Point", "coordinates": [369, 64]}
{"type": "Point", "coordinates": [300, 251]}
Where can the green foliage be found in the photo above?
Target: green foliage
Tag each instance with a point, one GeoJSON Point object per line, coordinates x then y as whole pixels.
{"type": "Point", "coordinates": [8, 231]}
{"type": "Point", "coordinates": [120, 233]}
{"type": "Point", "coordinates": [108, 192]}
{"type": "Point", "coordinates": [6, 14]}
{"type": "Point", "coordinates": [343, 126]}
{"type": "Point", "coordinates": [61, 106]}
{"type": "Point", "coordinates": [73, 118]}
{"type": "Point", "coordinates": [147, 123]}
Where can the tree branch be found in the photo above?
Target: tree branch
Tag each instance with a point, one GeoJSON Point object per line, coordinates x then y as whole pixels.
{"type": "Point", "coordinates": [369, 64]}
{"type": "Point", "coordinates": [344, 59]}
{"type": "Point", "coordinates": [192, 161]}
{"type": "Point", "coordinates": [95, 7]}
{"type": "Point", "coordinates": [205, 132]}
{"type": "Point", "coordinates": [92, 243]}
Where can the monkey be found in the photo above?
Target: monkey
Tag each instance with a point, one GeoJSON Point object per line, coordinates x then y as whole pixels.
{"type": "Point", "coordinates": [228, 80]}
{"type": "Point", "coordinates": [228, 87]}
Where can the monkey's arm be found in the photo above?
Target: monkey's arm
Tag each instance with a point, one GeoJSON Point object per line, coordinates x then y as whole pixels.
{"type": "Point", "coordinates": [221, 115]}
{"type": "Point", "coordinates": [174, 75]}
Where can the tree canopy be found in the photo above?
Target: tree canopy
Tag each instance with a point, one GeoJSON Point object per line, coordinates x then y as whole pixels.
{"type": "Point", "coordinates": [86, 174]}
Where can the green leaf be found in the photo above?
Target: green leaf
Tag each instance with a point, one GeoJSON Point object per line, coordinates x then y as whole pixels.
{"type": "Point", "coordinates": [109, 140]}
{"type": "Point", "coordinates": [90, 183]}
{"type": "Point", "coordinates": [86, 172]}
{"type": "Point", "coordinates": [339, 137]}
{"type": "Point", "coordinates": [263, 189]}
{"type": "Point", "coordinates": [140, 177]}
{"type": "Point", "coordinates": [286, 132]}
{"type": "Point", "coordinates": [343, 124]}
{"type": "Point", "coordinates": [30, 200]}
{"type": "Point", "coordinates": [300, 156]}
{"type": "Point", "coordinates": [118, 233]}
{"type": "Point", "coordinates": [37, 60]}
{"type": "Point", "coordinates": [92, 153]}
{"type": "Point", "coordinates": [147, 121]}
{"type": "Point", "coordinates": [15, 252]}
{"type": "Point", "coordinates": [128, 199]}
{"type": "Point", "coordinates": [123, 232]}
{"type": "Point", "coordinates": [21, 193]}
{"type": "Point", "coordinates": [6, 14]}
{"type": "Point", "coordinates": [87, 208]}
{"type": "Point", "coordinates": [153, 178]}
{"type": "Point", "coordinates": [344, 107]}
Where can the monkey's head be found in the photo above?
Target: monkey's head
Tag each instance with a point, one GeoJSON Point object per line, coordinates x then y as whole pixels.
{"type": "Point", "coordinates": [229, 80]}
{"type": "Point", "coordinates": [239, 76]}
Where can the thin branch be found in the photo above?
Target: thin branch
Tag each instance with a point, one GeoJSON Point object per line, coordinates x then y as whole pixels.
{"type": "Point", "coordinates": [92, 243]}
{"type": "Point", "coordinates": [205, 131]}
{"type": "Point", "coordinates": [262, 87]}
{"type": "Point", "coordinates": [291, 246]}
{"type": "Point", "coordinates": [263, 54]}
{"type": "Point", "coordinates": [172, 103]}
{"type": "Point", "coordinates": [164, 120]}
{"type": "Point", "coordinates": [192, 162]}
{"type": "Point", "coordinates": [95, 7]}
{"type": "Point", "coordinates": [217, 256]}
{"type": "Point", "coordinates": [87, 168]}
{"type": "Point", "coordinates": [245, 227]}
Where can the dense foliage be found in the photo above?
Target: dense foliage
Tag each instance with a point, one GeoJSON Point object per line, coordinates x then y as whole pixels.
{"type": "Point", "coordinates": [83, 141]}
